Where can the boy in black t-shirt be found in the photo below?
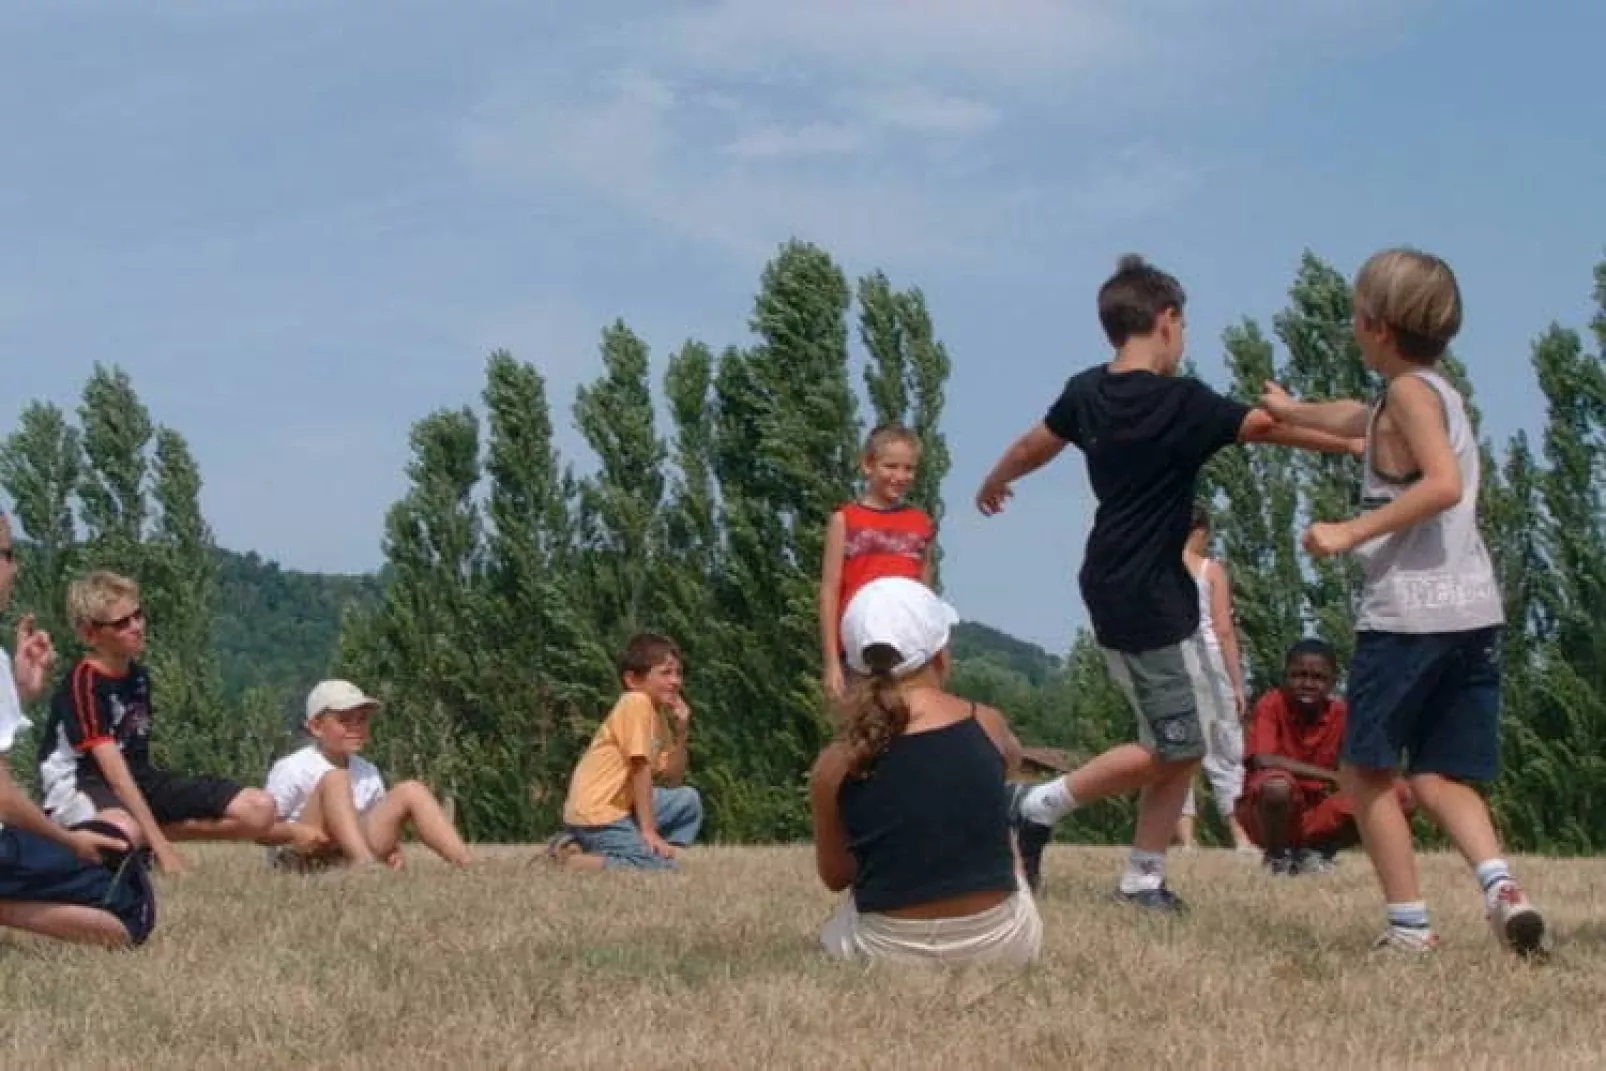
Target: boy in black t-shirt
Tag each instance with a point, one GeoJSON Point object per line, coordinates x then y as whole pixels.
{"type": "Point", "coordinates": [1146, 433]}
{"type": "Point", "coordinates": [94, 756]}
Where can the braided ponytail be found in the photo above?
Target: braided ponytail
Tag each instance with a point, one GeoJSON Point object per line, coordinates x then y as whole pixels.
{"type": "Point", "coordinates": [876, 712]}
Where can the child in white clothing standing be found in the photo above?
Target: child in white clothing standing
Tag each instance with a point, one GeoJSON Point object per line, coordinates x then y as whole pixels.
{"type": "Point", "coordinates": [1224, 731]}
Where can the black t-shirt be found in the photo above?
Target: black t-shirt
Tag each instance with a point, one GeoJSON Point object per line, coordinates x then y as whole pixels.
{"type": "Point", "coordinates": [91, 707]}
{"type": "Point", "coordinates": [1146, 437]}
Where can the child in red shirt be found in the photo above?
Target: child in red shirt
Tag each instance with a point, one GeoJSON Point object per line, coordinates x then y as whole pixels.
{"type": "Point", "coordinates": [878, 536]}
{"type": "Point", "coordinates": [1291, 805]}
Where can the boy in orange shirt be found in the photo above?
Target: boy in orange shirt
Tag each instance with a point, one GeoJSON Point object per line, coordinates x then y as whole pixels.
{"type": "Point", "coordinates": [615, 815]}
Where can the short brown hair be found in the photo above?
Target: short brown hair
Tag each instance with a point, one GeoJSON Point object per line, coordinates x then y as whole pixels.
{"type": "Point", "coordinates": [1131, 300]}
{"type": "Point", "coordinates": [1416, 296]}
{"type": "Point", "coordinates": [89, 597]}
{"type": "Point", "coordinates": [886, 434]}
{"type": "Point", "coordinates": [645, 651]}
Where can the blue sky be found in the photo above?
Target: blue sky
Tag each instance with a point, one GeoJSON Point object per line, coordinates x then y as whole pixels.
{"type": "Point", "coordinates": [300, 226]}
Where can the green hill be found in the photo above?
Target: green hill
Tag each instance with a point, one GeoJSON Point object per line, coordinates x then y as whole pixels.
{"type": "Point", "coordinates": [277, 628]}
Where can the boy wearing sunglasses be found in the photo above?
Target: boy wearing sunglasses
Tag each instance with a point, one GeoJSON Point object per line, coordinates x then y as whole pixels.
{"type": "Point", "coordinates": [94, 756]}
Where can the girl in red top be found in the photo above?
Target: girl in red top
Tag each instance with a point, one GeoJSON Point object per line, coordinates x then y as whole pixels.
{"type": "Point", "coordinates": [877, 536]}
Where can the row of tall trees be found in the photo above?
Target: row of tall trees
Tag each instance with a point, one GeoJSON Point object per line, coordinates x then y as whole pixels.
{"type": "Point", "coordinates": [513, 574]}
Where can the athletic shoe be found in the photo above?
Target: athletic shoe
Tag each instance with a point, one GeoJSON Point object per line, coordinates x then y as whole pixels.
{"type": "Point", "coordinates": [1517, 923]}
{"type": "Point", "coordinates": [1315, 862]}
{"type": "Point", "coordinates": [1408, 941]}
{"type": "Point", "coordinates": [1281, 865]}
{"type": "Point", "coordinates": [1030, 837]}
{"type": "Point", "coordinates": [1161, 899]}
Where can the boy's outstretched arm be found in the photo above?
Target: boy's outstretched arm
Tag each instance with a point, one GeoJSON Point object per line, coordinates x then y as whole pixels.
{"type": "Point", "coordinates": [1261, 427]}
{"type": "Point", "coordinates": [1419, 414]}
{"type": "Point", "coordinates": [1025, 456]}
{"type": "Point", "coordinates": [1345, 418]}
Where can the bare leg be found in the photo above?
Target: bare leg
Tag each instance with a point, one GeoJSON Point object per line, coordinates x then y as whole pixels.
{"type": "Point", "coordinates": [1384, 831]}
{"type": "Point", "coordinates": [250, 816]}
{"type": "Point", "coordinates": [65, 922]}
{"type": "Point", "coordinates": [1461, 813]}
{"type": "Point", "coordinates": [1122, 769]}
{"type": "Point", "coordinates": [581, 861]}
{"type": "Point", "coordinates": [125, 822]}
{"type": "Point", "coordinates": [331, 810]}
{"type": "Point", "coordinates": [1277, 814]}
{"type": "Point", "coordinates": [1160, 805]}
{"type": "Point", "coordinates": [412, 801]}
{"type": "Point", "coordinates": [1185, 834]}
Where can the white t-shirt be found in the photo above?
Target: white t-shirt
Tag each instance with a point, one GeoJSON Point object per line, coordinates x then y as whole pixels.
{"type": "Point", "coordinates": [11, 720]}
{"type": "Point", "coordinates": [293, 778]}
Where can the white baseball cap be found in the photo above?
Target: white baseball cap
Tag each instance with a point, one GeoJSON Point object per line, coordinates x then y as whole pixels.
{"type": "Point", "coordinates": [339, 696]}
{"type": "Point", "coordinates": [902, 614]}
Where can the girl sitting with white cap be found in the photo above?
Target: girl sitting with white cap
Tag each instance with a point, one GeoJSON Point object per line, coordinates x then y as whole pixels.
{"type": "Point", "coordinates": [910, 805]}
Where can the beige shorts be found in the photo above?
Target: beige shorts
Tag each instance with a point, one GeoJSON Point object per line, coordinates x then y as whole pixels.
{"type": "Point", "coordinates": [1010, 934]}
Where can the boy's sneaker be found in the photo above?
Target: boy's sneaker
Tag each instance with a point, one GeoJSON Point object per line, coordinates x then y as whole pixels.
{"type": "Point", "coordinates": [1030, 837]}
{"type": "Point", "coordinates": [1283, 864]}
{"type": "Point", "coordinates": [1161, 899]}
{"type": "Point", "coordinates": [561, 846]}
{"type": "Point", "coordinates": [1517, 923]}
{"type": "Point", "coordinates": [1409, 941]}
{"type": "Point", "coordinates": [1311, 861]}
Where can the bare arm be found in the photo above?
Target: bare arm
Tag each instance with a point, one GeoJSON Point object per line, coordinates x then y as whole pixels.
{"type": "Point", "coordinates": [19, 812]}
{"type": "Point", "coordinates": [115, 769]}
{"type": "Point", "coordinates": [928, 564]}
{"type": "Point", "coordinates": [1261, 427]}
{"type": "Point", "coordinates": [1221, 619]}
{"type": "Point", "coordinates": [1419, 413]}
{"type": "Point", "coordinates": [832, 859]}
{"type": "Point", "coordinates": [1293, 766]}
{"type": "Point", "coordinates": [1345, 418]}
{"type": "Point", "coordinates": [1025, 456]}
{"type": "Point", "coordinates": [673, 771]}
{"type": "Point", "coordinates": [831, 588]}
{"type": "Point", "coordinates": [996, 726]}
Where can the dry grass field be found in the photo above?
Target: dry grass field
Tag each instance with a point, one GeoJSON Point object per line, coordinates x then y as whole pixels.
{"type": "Point", "coordinates": [519, 965]}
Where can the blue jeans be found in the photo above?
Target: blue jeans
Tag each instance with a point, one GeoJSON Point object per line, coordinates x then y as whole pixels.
{"type": "Point", "coordinates": [679, 814]}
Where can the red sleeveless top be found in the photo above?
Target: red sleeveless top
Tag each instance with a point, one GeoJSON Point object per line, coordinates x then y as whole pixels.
{"type": "Point", "coordinates": [881, 543]}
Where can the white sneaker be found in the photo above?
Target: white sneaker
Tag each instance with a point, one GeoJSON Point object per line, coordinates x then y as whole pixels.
{"type": "Point", "coordinates": [1411, 942]}
{"type": "Point", "coordinates": [1517, 924]}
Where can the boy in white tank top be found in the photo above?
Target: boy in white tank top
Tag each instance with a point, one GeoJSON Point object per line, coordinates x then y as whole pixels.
{"type": "Point", "coordinates": [1425, 680]}
{"type": "Point", "coordinates": [1224, 732]}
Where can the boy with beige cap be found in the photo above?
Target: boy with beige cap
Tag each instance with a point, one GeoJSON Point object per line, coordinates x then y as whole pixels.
{"type": "Point", "coordinates": [338, 799]}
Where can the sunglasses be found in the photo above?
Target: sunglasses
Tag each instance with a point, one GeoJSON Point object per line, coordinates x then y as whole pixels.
{"type": "Point", "coordinates": [124, 623]}
{"type": "Point", "coordinates": [8, 554]}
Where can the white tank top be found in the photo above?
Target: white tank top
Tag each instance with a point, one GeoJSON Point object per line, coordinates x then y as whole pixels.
{"type": "Point", "coordinates": [1435, 576]}
{"type": "Point", "coordinates": [1207, 625]}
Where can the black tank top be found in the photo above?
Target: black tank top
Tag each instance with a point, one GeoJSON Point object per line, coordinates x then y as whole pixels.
{"type": "Point", "coordinates": [931, 821]}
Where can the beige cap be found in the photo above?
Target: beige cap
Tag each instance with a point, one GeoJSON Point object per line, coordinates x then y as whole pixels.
{"type": "Point", "coordinates": [339, 696]}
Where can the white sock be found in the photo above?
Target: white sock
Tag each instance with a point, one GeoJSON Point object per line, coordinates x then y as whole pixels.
{"type": "Point", "coordinates": [1492, 874]}
{"type": "Point", "coordinates": [1144, 871]}
{"type": "Point", "coordinates": [1048, 803]}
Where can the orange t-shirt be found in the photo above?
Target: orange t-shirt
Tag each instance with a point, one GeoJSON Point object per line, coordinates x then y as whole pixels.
{"type": "Point", "coordinates": [1274, 729]}
{"type": "Point", "coordinates": [880, 543]}
{"type": "Point", "coordinates": [599, 791]}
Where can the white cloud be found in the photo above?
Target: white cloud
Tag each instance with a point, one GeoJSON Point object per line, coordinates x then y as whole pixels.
{"type": "Point", "coordinates": [810, 139]}
{"type": "Point", "coordinates": [883, 127]}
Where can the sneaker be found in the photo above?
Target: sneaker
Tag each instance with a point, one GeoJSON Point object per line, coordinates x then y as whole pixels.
{"type": "Point", "coordinates": [1409, 942]}
{"type": "Point", "coordinates": [1161, 899]}
{"type": "Point", "coordinates": [1282, 864]}
{"type": "Point", "coordinates": [1030, 837]}
{"type": "Point", "coordinates": [1517, 923]}
{"type": "Point", "coordinates": [561, 846]}
{"type": "Point", "coordinates": [1315, 862]}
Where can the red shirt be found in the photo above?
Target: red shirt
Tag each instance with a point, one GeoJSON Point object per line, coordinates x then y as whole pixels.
{"type": "Point", "coordinates": [880, 543]}
{"type": "Point", "coordinates": [1274, 729]}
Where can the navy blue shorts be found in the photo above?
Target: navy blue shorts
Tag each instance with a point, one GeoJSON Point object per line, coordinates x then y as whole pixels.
{"type": "Point", "coordinates": [1430, 701]}
{"type": "Point", "coordinates": [36, 870]}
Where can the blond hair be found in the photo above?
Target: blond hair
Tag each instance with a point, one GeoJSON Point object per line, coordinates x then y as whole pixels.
{"type": "Point", "coordinates": [1413, 294]}
{"type": "Point", "coordinates": [884, 436]}
{"type": "Point", "coordinates": [876, 712]}
{"type": "Point", "coordinates": [90, 598]}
